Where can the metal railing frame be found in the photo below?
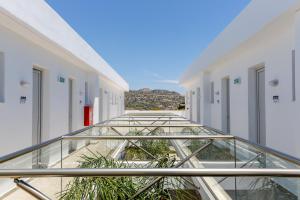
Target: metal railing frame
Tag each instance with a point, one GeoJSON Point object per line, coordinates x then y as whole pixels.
{"type": "Point", "coordinates": [115, 172]}
{"type": "Point", "coordinates": [29, 173]}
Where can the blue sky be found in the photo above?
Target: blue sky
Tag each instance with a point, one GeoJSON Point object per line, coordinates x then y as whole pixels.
{"type": "Point", "coordinates": [149, 42]}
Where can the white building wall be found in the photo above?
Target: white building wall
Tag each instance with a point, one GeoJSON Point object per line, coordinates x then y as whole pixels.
{"type": "Point", "coordinates": [271, 47]}
{"type": "Point", "coordinates": [21, 55]}
{"type": "Point", "coordinates": [34, 36]}
{"type": "Point", "coordinates": [113, 99]}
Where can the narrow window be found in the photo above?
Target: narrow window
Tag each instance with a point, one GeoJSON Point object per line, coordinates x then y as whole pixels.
{"type": "Point", "coordinates": [293, 76]}
{"type": "Point", "coordinates": [212, 92]}
{"type": "Point", "coordinates": [1, 77]}
{"type": "Point", "coordinates": [86, 93]}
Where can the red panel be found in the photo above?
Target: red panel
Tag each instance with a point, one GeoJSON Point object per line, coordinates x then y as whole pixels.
{"type": "Point", "coordinates": [88, 116]}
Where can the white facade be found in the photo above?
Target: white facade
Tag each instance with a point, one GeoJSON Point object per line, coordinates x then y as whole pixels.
{"type": "Point", "coordinates": [266, 34]}
{"type": "Point", "coordinates": [33, 36]}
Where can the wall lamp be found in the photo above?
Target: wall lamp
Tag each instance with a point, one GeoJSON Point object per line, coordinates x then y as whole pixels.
{"type": "Point", "coordinates": [24, 83]}
{"type": "Point", "coordinates": [274, 82]}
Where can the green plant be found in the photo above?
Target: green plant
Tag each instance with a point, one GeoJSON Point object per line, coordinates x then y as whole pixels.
{"type": "Point", "coordinates": [158, 148]}
{"type": "Point", "coordinates": [212, 152]}
{"type": "Point", "coordinates": [123, 187]}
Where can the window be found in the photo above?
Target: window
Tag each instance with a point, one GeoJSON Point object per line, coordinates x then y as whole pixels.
{"type": "Point", "coordinates": [212, 92]}
{"type": "Point", "coordinates": [1, 77]}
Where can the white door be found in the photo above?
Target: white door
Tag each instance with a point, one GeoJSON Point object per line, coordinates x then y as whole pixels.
{"type": "Point", "coordinates": [36, 114]}
{"type": "Point", "coordinates": [37, 107]}
{"type": "Point", "coordinates": [72, 144]}
{"type": "Point", "coordinates": [108, 104]}
{"type": "Point", "coordinates": [100, 105]}
{"type": "Point", "coordinates": [191, 105]}
{"type": "Point", "coordinates": [198, 106]}
{"type": "Point", "coordinates": [260, 106]}
{"type": "Point", "coordinates": [70, 103]}
{"type": "Point", "coordinates": [226, 105]}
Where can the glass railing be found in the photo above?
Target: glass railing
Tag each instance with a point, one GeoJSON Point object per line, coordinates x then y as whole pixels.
{"type": "Point", "coordinates": [178, 160]}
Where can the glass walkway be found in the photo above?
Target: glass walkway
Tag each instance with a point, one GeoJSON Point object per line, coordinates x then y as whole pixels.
{"type": "Point", "coordinates": [149, 156]}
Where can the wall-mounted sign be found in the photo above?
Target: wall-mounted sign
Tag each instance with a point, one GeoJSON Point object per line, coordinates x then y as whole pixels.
{"type": "Point", "coordinates": [23, 99]}
{"type": "Point", "coordinates": [275, 98]}
{"type": "Point", "coordinates": [237, 81]}
{"type": "Point", "coordinates": [60, 79]}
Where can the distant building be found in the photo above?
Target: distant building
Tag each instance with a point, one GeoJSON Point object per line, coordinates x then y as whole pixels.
{"type": "Point", "coordinates": [48, 73]}
{"type": "Point", "coordinates": [247, 81]}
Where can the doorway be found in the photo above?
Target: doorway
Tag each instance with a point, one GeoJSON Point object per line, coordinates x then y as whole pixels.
{"type": "Point", "coordinates": [72, 144]}
{"type": "Point", "coordinates": [100, 105]}
{"type": "Point", "coordinates": [36, 113]}
{"type": "Point", "coordinates": [226, 105]}
{"type": "Point", "coordinates": [37, 107]}
{"type": "Point", "coordinates": [260, 106]}
{"type": "Point", "coordinates": [198, 106]}
{"type": "Point", "coordinates": [191, 105]}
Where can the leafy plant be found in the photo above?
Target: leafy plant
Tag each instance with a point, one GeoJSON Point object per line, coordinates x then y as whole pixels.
{"type": "Point", "coordinates": [212, 152]}
{"type": "Point", "coordinates": [123, 187]}
{"type": "Point", "coordinates": [158, 148]}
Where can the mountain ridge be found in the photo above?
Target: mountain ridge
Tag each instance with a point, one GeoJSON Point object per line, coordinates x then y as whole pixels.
{"type": "Point", "coordinates": [156, 99]}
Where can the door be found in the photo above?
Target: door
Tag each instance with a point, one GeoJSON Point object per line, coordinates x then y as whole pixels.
{"type": "Point", "coordinates": [72, 144]}
{"type": "Point", "coordinates": [36, 113]}
{"type": "Point", "coordinates": [100, 105]}
{"type": "Point", "coordinates": [70, 104]}
{"type": "Point", "coordinates": [198, 106]}
{"type": "Point", "coordinates": [226, 105]}
{"type": "Point", "coordinates": [191, 105]}
{"type": "Point", "coordinates": [260, 106]}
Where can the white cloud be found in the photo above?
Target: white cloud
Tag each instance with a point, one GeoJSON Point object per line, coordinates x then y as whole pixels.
{"type": "Point", "coordinates": [168, 81]}
{"type": "Point", "coordinates": [156, 75]}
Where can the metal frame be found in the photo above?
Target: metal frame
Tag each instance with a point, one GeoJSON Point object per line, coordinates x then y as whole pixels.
{"type": "Point", "coordinates": [149, 116]}
{"type": "Point", "coordinates": [147, 125]}
{"type": "Point", "coordinates": [159, 172]}
{"type": "Point", "coordinates": [38, 146]}
{"type": "Point", "coordinates": [152, 137]}
{"type": "Point", "coordinates": [79, 172]}
{"type": "Point", "coordinates": [149, 120]}
{"type": "Point", "coordinates": [31, 190]}
{"type": "Point", "coordinates": [263, 148]}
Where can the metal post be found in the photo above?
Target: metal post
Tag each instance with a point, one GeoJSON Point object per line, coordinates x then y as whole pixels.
{"type": "Point", "coordinates": [176, 166]}
{"type": "Point", "coordinates": [135, 145]}
{"type": "Point", "coordinates": [235, 185]}
{"type": "Point", "coordinates": [31, 190]}
{"type": "Point", "coordinates": [61, 164]}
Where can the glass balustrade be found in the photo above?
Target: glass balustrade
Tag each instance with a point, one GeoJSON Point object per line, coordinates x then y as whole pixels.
{"type": "Point", "coordinates": [151, 144]}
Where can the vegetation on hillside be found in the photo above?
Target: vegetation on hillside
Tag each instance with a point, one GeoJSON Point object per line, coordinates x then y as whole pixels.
{"type": "Point", "coordinates": [146, 99]}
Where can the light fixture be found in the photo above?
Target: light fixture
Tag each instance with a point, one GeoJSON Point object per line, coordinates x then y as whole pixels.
{"type": "Point", "coordinates": [274, 82]}
{"type": "Point", "coordinates": [24, 83]}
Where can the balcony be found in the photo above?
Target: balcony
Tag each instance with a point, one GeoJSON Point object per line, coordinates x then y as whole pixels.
{"type": "Point", "coordinates": [149, 156]}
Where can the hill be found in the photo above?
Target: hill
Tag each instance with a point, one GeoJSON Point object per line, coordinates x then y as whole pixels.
{"type": "Point", "coordinates": [147, 99]}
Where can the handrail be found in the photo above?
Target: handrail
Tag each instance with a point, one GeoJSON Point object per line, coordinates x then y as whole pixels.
{"type": "Point", "coordinates": [80, 172]}
{"type": "Point", "coordinates": [152, 116]}
{"type": "Point", "coordinates": [148, 125]}
{"type": "Point", "coordinates": [43, 144]}
{"type": "Point", "coordinates": [31, 190]}
{"type": "Point", "coordinates": [38, 146]}
{"type": "Point", "coordinates": [150, 120]}
{"type": "Point", "coordinates": [136, 137]}
{"type": "Point", "coordinates": [269, 150]}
